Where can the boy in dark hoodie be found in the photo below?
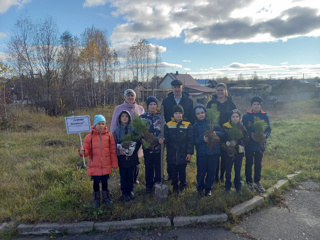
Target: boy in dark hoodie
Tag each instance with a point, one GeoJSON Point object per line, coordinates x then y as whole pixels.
{"type": "Point", "coordinates": [179, 142]}
{"type": "Point", "coordinates": [127, 164]}
{"type": "Point", "coordinates": [206, 159]}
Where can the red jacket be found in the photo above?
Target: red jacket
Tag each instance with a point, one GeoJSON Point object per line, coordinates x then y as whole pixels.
{"type": "Point", "coordinates": [101, 149]}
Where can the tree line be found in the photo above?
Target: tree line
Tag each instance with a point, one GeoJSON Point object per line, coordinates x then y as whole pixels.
{"type": "Point", "coordinates": [63, 72]}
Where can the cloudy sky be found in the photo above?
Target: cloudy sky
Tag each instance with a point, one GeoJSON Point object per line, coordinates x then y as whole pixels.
{"type": "Point", "coordinates": [205, 38]}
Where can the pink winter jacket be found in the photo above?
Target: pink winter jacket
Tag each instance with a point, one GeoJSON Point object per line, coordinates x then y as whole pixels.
{"type": "Point", "coordinates": [101, 149]}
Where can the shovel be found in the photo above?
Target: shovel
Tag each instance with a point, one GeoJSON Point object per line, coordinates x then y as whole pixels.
{"type": "Point", "coordinates": [161, 189]}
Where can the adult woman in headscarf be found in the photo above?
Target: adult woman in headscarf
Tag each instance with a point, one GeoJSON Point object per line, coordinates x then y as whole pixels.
{"type": "Point", "coordinates": [132, 107]}
{"type": "Point", "coordinates": [224, 105]}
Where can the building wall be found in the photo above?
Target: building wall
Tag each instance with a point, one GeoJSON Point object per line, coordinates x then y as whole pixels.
{"type": "Point", "coordinates": [166, 83]}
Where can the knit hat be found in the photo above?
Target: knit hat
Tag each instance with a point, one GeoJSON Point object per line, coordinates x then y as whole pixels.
{"type": "Point", "coordinates": [98, 118]}
{"type": "Point", "coordinates": [126, 92]}
{"type": "Point", "coordinates": [199, 107]}
{"type": "Point", "coordinates": [178, 108]}
{"type": "Point", "coordinates": [256, 99]}
{"type": "Point", "coordinates": [236, 111]}
{"type": "Point", "coordinates": [151, 99]}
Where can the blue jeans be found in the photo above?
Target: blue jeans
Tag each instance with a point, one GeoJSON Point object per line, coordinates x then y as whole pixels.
{"type": "Point", "coordinates": [256, 158]}
{"type": "Point", "coordinates": [206, 169]}
{"type": "Point", "coordinates": [237, 162]}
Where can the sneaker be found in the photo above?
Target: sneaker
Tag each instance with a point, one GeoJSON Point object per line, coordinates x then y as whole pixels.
{"type": "Point", "coordinates": [124, 197]}
{"type": "Point", "coordinates": [250, 186]}
{"type": "Point", "coordinates": [131, 195]}
{"type": "Point", "coordinates": [258, 186]}
{"type": "Point", "coordinates": [228, 190]}
{"type": "Point", "coordinates": [208, 193]}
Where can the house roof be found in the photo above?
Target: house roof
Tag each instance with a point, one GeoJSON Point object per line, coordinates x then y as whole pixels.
{"type": "Point", "coordinates": [188, 82]}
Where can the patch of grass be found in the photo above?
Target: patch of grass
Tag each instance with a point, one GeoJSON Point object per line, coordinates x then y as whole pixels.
{"type": "Point", "coordinates": [41, 182]}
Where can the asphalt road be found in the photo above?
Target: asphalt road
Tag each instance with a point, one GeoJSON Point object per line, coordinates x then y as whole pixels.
{"type": "Point", "coordinates": [296, 217]}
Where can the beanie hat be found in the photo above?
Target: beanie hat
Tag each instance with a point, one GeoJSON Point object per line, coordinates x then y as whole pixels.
{"type": "Point", "coordinates": [256, 99]}
{"type": "Point", "coordinates": [126, 92]}
{"type": "Point", "coordinates": [98, 118]}
{"type": "Point", "coordinates": [178, 108]}
{"type": "Point", "coordinates": [199, 107]}
{"type": "Point", "coordinates": [236, 111]}
{"type": "Point", "coordinates": [151, 99]}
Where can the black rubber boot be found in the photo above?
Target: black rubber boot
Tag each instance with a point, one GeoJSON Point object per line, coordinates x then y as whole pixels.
{"type": "Point", "coordinates": [96, 200]}
{"type": "Point", "coordinates": [106, 198]}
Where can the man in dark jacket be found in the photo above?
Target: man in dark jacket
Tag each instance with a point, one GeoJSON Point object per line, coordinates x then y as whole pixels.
{"type": "Point", "coordinates": [178, 97]}
{"type": "Point", "coordinates": [174, 98]}
{"type": "Point", "coordinates": [179, 143]}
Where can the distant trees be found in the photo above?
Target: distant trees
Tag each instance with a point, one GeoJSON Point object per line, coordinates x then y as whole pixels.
{"type": "Point", "coordinates": [63, 72]}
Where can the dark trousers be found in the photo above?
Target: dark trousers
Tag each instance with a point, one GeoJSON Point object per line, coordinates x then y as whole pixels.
{"type": "Point", "coordinates": [152, 163]}
{"type": "Point", "coordinates": [100, 179]}
{"type": "Point", "coordinates": [126, 179]}
{"type": "Point", "coordinates": [206, 169]}
{"type": "Point", "coordinates": [178, 172]}
{"type": "Point", "coordinates": [221, 166]}
{"type": "Point", "coordinates": [136, 173]}
{"type": "Point", "coordinates": [256, 158]}
{"type": "Point", "coordinates": [237, 162]}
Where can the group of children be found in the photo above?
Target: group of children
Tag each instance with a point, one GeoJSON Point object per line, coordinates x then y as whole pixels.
{"type": "Point", "coordinates": [180, 137]}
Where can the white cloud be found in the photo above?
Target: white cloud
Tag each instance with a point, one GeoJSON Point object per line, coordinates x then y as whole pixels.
{"type": "Point", "coordinates": [264, 71]}
{"type": "Point", "coordinates": [187, 69]}
{"type": "Point", "coordinates": [187, 61]}
{"type": "Point", "coordinates": [6, 4]}
{"type": "Point", "coordinates": [169, 65]}
{"type": "Point", "coordinates": [2, 35]}
{"type": "Point", "coordinates": [92, 3]}
{"type": "Point", "coordinates": [222, 22]}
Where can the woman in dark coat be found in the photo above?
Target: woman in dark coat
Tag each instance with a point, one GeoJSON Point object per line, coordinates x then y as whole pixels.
{"type": "Point", "coordinates": [225, 105]}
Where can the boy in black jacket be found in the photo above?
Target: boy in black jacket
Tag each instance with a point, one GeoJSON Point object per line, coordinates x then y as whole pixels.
{"type": "Point", "coordinates": [179, 142]}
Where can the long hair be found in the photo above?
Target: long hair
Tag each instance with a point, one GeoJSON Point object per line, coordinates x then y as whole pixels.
{"type": "Point", "coordinates": [224, 86]}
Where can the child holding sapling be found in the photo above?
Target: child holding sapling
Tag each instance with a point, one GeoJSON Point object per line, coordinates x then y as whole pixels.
{"type": "Point", "coordinates": [257, 123]}
{"type": "Point", "coordinates": [207, 155]}
{"type": "Point", "coordinates": [128, 144]}
{"type": "Point", "coordinates": [236, 140]}
{"type": "Point", "coordinates": [100, 146]}
{"type": "Point", "coordinates": [179, 143]}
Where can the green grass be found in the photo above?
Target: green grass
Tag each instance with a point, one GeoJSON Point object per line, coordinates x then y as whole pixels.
{"type": "Point", "coordinates": [48, 183]}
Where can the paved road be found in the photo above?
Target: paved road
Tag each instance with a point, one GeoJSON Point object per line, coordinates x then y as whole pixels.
{"type": "Point", "coordinates": [298, 217]}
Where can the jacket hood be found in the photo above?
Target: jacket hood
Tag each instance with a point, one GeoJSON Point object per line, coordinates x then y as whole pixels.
{"type": "Point", "coordinates": [194, 110]}
{"type": "Point", "coordinates": [127, 112]}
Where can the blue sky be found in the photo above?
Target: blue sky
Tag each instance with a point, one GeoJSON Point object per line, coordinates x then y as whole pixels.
{"type": "Point", "coordinates": [207, 39]}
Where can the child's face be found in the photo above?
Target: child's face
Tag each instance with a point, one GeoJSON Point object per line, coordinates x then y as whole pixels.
{"type": "Point", "coordinates": [100, 126]}
{"type": "Point", "coordinates": [235, 118]}
{"type": "Point", "coordinates": [201, 115]}
{"type": "Point", "coordinates": [178, 116]}
{"type": "Point", "coordinates": [152, 108]}
{"type": "Point", "coordinates": [256, 107]}
{"type": "Point", "coordinates": [124, 118]}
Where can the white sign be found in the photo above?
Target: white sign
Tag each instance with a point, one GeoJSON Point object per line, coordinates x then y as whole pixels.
{"type": "Point", "coordinates": [78, 124]}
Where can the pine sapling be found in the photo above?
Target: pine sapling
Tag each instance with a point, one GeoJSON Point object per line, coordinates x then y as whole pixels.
{"type": "Point", "coordinates": [259, 126]}
{"type": "Point", "coordinates": [212, 116]}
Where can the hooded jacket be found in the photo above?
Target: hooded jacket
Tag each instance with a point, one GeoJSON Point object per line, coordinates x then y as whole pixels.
{"type": "Point", "coordinates": [179, 141]}
{"type": "Point", "coordinates": [224, 108]}
{"type": "Point", "coordinates": [101, 149]}
{"type": "Point", "coordinates": [130, 107]}
{"type": "Point", "coordinates": [118, 133]}
{"type": "Point", "coordinates": [185, 102]}
{"type": "Point", "coordinates": [248, 118]}
{"type": "Point", "coordinates": [199, 129]}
